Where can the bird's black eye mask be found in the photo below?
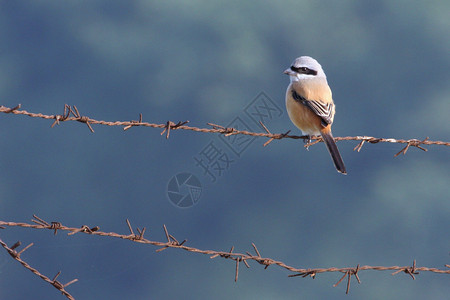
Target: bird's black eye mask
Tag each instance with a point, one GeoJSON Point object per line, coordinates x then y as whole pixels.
{"type": "Point", "coordinates": [304, 70]}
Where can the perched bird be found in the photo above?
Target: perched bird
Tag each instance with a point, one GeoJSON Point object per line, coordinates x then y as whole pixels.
{"type": "Point", "coordinates": [310, 105]}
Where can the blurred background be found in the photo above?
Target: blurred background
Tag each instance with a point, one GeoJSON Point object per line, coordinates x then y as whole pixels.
{"type": "Point", "coordinates": [387, 63]}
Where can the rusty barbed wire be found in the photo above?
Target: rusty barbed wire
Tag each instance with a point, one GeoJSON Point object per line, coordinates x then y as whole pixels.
{"type": "Point", "coordinates": [172, 242]}
{"type": "Point", "coordinates": [16, 255]}
{"type": "Point", "coordinates": [71, 113]}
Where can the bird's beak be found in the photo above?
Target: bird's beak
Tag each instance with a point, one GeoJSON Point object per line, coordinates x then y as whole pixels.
{"type": "Point", "coordinates": [289, 72]}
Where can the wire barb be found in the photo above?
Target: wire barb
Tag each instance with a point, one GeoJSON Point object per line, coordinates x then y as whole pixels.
{"type": "Point", "coordinates": [63, 117]}
{"type": "Point", "coordinates": [359, 146]}
{"type": "Point", "coordinates": [171, 125]}
{"type": "Point", "coordinates": [10, 110]}
{"type": "Point", "coordinates": [237, 270]}
{"type": "Point", "coordinates": [80, 118]}
{"type": "Point", "coordinates": [411, 271]}
{"type": "Point", "coordinates": [414, 143]}
{"type": "Point", "coordinates": [349, 274]}
{"type": "Point", "coordinates": [135, 123]}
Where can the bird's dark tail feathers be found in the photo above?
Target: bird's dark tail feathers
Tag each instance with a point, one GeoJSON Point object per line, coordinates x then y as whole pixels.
{"type": "Point", "coordinates": [334, 152]}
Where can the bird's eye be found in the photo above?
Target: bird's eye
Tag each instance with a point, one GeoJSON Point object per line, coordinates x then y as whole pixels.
{"type": "Point", "coordinates": [304, 69]}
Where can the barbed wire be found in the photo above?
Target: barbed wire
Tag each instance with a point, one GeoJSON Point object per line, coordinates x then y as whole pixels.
{"type": "Point", "coordinates": [172, 242]}
{"type": "Point", "coordinates": [71, 113]}
{"type": "Point", "coordinates": [16, 255]}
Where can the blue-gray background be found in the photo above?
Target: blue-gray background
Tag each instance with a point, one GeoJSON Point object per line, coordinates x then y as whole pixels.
{"type": "Point", "coordinates": [204, 61]}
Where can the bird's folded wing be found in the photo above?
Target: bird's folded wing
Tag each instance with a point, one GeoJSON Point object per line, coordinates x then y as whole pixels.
{"type": "Point", "coordinates": [321, 109]}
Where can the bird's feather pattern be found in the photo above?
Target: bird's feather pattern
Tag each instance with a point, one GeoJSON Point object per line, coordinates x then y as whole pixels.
{"type": "Point", "coordinates": [321, 109]}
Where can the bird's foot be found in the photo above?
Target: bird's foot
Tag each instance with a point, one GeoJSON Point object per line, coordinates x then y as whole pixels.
{"type": "Point", "coordinates": [307, 141]}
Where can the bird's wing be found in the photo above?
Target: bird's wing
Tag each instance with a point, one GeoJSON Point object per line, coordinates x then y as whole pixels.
{"type": "Point", "coordinates": [321, 109]}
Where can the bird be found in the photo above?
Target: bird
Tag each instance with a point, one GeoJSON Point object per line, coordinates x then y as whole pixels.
{"type": "Point", "coordinates": [310, 105]}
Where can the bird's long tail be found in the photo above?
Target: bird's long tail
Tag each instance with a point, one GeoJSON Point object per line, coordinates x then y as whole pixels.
{"type": "Point", "coordinates": [334, 151]}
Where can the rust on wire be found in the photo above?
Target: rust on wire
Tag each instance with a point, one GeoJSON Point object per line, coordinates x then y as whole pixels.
{"type": "Point", "coordinates": [226, 131]}
{"type": "Point", "coordinates": [415, 143]}
{"type": "Point", "coordinates": [63, 117]}
{"type": "Point", "coordinates": [133, 236]}
{"type": "Point", "coordinates": [71, 113]}
{"type": "Point", "coordinates": [411, 271]}
{"type": "Point", "coordinates": [171, 125]}
{"type": "Point", "coordinates": [237, 270]}
{"type": "Point", "coordinates": [359, 146]}
{"type": "Point", "coordinates": [135, 123]}
{"type": "Point", "coordinates": [348, 273]}
{"type": "Point", "coordinates": [39, 221]}
{"type": "Point", "coordinates": [275, 137]}
{"type": "Point", "coordinates": [172, 242]}
{"type": "Point", "coordinates": [10, 110]}
{"type": "Point", "coordinates": [80, 118]}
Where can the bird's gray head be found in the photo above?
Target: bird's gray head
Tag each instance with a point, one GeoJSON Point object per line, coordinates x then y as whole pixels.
{"type": "Point", "coordinates": [304, 67]}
